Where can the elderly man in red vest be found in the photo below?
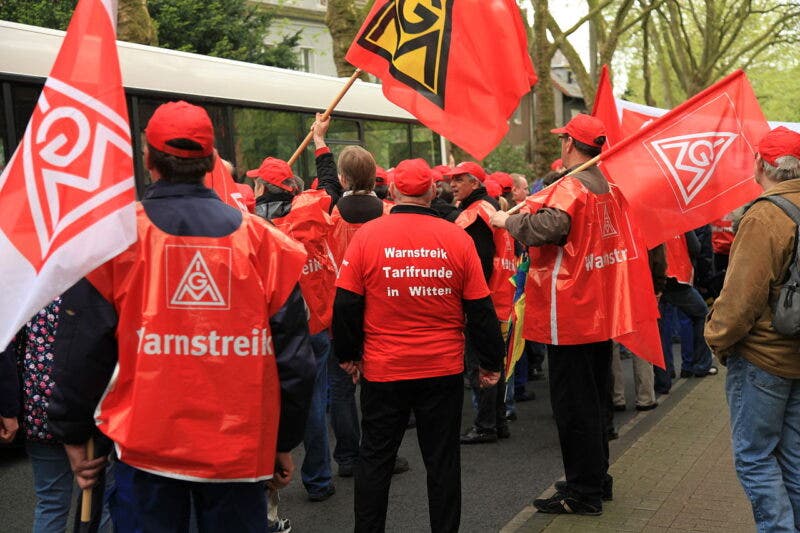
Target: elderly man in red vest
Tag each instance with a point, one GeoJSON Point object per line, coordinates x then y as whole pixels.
{"type": "Point", "coordinates": [577, 239]}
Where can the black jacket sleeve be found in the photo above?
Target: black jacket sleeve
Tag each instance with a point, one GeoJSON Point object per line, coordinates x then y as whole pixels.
{"type": "Point", "coordinates": [10, 404]}
{"type": "Point", "coordinates": [348, 326]}
{"type": "Point", "coordinates": [484, 242]}
{"type": "Point", "coordinates": [296, 368]}
{"type": "Point", "coordinates": [85, 357]}
{"type": "Point", "coordinates": [483, 333]}
{"type": "Point", "coordinates": [329, 177]}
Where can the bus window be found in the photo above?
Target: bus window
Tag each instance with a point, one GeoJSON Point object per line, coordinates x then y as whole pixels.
{"type": "Point", "coordinates": [24, 98]}
{"type": "Point", "coordinates": [425, 144]}
{"type": "Point", "coordinates": [4, 148]}
{"type": "Point", "coordinates": [388, 142]}
{"type": "Point", "coordinates": [341, 130]}
{"type": "Point", "coordinates": [260, 133]}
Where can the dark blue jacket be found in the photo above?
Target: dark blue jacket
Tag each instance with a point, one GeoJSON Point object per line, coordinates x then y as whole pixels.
{"type": "Point", "coordinates": [82, 375]}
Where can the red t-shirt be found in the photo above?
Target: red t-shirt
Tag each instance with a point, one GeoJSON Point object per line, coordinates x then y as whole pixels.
{"type": "Point", "coordinates": [413, 271]}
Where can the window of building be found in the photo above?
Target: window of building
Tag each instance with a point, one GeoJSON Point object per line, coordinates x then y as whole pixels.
{"type": "Point", "coordinates": [307, 59]}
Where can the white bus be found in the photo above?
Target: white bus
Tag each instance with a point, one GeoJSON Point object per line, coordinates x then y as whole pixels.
{"type": "Point", "coordinates": [257, 111]}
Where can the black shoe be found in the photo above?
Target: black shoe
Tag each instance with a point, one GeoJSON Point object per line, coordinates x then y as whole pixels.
{"type": "Point", "coordinates": [322, 496]}
{"type": "Point", "coordinates": [503, 432]}
{"type": "Point", "coordinates": [662, 391]}
{"type": "Point", "coordinates": [475, 436]}
{"type": "Point", "coordinates": [346, 470]}
{"type": "Point", "coordinates": [524, 396]}
{"type": "Point", "coordinates": [561, 503]}
{"type": "Point", "coordinates": [608, 488]}
{"type": "Point", "coordinates": [686, 374]}
{"type": "Point", "coordinates": [619, 408]}
{"type": "Point", "coordinates": [511, 416]}
{"type": "Point", "coordinates": [612, 434]}
{"type": "Point", "coordinates": [672, 374]}
{"type": "Point", "coordinates": [400, 465]}
{"type": "Point", "coordinates": [647, 407]}
{"type": "Point", "coordinates": [712, 371]}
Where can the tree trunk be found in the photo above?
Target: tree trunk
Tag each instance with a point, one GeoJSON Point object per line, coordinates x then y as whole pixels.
{"type": "Point", "coordinates": [134, 23]}
{"type": "Point", "coordinates": [343, 22]}
{"type": "Point", "coordinates": [545, 144]}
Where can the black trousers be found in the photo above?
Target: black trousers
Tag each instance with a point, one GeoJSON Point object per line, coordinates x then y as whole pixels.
{"type": "Point", "coordinates": [385, 407]}
{"type": "Point", "coordinates": [491, 412]}
{"type": "Point", "coordinates": [579, 393]}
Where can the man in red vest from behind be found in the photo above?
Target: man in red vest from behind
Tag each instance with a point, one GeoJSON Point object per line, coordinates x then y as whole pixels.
{"type": "Point", "coordinates": [210, 388]}
{"type": "Point", "coordinates": [575, 243]}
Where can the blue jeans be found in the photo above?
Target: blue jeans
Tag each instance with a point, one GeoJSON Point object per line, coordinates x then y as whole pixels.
{"type": "Point", "coordinates": [52, 481]}
{"type": "Point", "coordinates": [344, 414]}
{"type": "Point", "coordinates": [53, 484]}
{"type": "Point", "coordinates": [316, 469]}
{"type": "Point", "coordinates": [687, 299]}
{"type": "Point", "coordinates": [765, 427]}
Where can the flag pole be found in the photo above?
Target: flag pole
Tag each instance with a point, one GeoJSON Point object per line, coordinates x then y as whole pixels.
{"type": "Point", "coordinates": [582, 166]}
{"type": "Point", "coordinates": [325, 115]}
{"type": "Point", "coordinates": [86, 498]}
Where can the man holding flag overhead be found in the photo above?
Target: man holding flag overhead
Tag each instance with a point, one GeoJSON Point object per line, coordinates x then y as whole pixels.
{"type": "Point", "coordinates": [590, 278]}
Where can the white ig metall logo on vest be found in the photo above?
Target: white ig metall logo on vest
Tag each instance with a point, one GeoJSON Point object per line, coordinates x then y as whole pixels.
{"type": "Point", "coordinates": [197, 288]}
{"type": "Point", "coordinates": [692, 159]}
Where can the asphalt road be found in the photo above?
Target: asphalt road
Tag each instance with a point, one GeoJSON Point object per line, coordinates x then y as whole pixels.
{"type": "Point", "coordinates": [498, 479]}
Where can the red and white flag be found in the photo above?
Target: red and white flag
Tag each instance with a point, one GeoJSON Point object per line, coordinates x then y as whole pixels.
{"type": "Point", "coordinates": [67, 195]}
{"type": "Point", "coordinates": [694, 164]}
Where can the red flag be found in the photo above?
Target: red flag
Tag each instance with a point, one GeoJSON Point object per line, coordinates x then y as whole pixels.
{"type": "Point", "coordinates": [221, 180]}
{"type": "Point", "coordinates": [459, 67]}
{"type": "Point", "coordinates": [67, 195]}
{"type": "Point", "coordinates": [694, 164]}
{"type": "Point", "coordinates": [605, 108]}
{"type": "Point", "coordinates": [632, 121]}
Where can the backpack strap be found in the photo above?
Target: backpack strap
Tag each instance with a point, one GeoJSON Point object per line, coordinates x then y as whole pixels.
{"type": "Point", "coordinates": [791, 210]}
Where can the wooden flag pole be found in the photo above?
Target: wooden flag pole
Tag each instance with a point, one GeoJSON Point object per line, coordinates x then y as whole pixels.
{"type": "Point", "coordinates": [86, 498]}
{"type": "Point", "coordinates": [582, 166]}
{"type": "Point", "coordinates": [325, 115]}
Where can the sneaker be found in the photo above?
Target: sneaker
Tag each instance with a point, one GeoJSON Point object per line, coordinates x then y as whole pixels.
{"type": "Point", "coordinates": [647, 407]}
{"type": "Point", "coordinates": [608, 490]}
{"type": "Point", "coordinates": [561, 503]}
{"type": "Point", "coordinates": [346, 470]}
{"type": "Point", "coordinates": [712, 371]}
{"type": "Point", "coordinates": [281, 525]}
{"type": "Point", "coordinates": [400, 465]}
{"type": "Point", "coordinates": [322, 496]}
{"type": "Point", "coordinates": [511, 416]}
{"type": "Point", "coordinates": [476, 436]}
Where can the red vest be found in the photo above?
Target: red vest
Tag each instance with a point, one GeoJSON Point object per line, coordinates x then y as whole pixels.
{"type": "Point", "coordinates": [722, 234]}
{"type": "Point", "coordinates": [597, 286]}
{"type": "Point", "coordinates": [343, 231]}
{"type": "Point", "coordinates": [195, 394]}
{"type": "Point", "coordinates": [504, 261]}
{"type": "Point", "coordinates": [679, 265]}
{"type": "Point", "coordinates": [309, 223]}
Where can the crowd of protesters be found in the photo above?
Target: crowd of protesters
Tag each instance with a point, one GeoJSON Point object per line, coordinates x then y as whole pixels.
{"type": "Point", "coordinates": [223, 339]}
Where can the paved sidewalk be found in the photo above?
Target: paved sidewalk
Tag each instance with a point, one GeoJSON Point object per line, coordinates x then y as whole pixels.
{"type": "Point", "coordinates": [676, 477]}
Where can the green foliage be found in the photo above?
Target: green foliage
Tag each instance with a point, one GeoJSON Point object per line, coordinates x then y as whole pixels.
{"type": "Point", "coordinates": [46, 13]}
{"type": "Point", "coordinates": [233, 29]}
{"type": "Point", "coordinates": [508, 158]}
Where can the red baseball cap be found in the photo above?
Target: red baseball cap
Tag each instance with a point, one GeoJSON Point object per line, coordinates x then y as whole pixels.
{"type": "Point", "coordinates": [557, 164]}
{"type": "Point", "coordinates": [778, 143]}
{"type": "Point", "coordinates": [467, 167]}
{"type": "Point", "coordinates": [180, 120]}
{"type": "Point", "coordinates": [493, 188]}
{"type": "Point", "coordinates": [503, 179]}
{"type": "Point", "coordinates": [586, 129]}
{"type": "Point", "coordinates": [413, 177]}
{"type": "Point", "coordinates": [381, 176]}
{"type": "Point", "coordinates": [274, 171]}
{"type": "Point", "coordinates": [437, 176]}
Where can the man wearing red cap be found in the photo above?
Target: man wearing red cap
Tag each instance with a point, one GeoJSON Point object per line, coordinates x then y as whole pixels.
{"type": "Point", "coordinates": [209, 391]}
{"type": "Point", "coordinates": [304, 217]}
{"type": "Point", "coordinates": [406, 285]}
{"type": "Point", "coordinates": [763, 381]}
{"type": "Point", "coordinates": [560, 235]}
{"type": "Point", "coordinates": [496, 251]}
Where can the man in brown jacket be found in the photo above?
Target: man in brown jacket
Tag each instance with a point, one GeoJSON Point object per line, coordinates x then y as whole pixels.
{"type": "Point", "coordinates": [763, 382]}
